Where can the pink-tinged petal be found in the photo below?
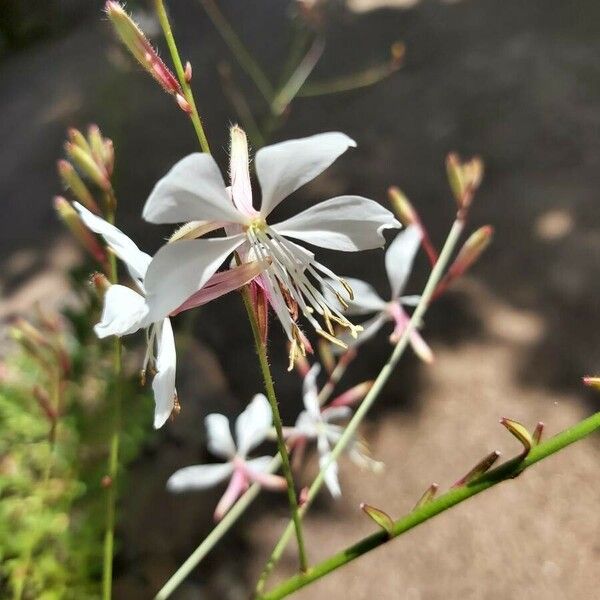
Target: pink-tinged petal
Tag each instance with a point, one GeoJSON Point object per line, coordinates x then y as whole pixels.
{"type": "Point", "coordinates": [419, 345]}
{"type": "Point", "coordinates": [259, 470]}
{"type": "Point", "coordinates": [348, 223]}
{"type": "Point", "coordinates": [220, 443]}
{"type": "Point", "coordinates": [237, 486]}
{"type": "Point", "coordinates": [310, 392]}
{"type": "Point", "coordinates": [283, 168]}
{"type": "Point", "coordinates": [400, 256]}
{"type": "Point", "coordinates": [352, 396]}
{"type": "Point", "coordinates": [180, 269]}
{"type": "Point", "coordinates": [137, 261]}
{"type": "Point", "coordinates": [239, 162]}
{"type": "Point", "coordinates": [198, 477]}
{"type": "Point", "coordinates": [298, 450]}
{"type": "Point", "coordinates": [253, 425]}
{"type": "Point", "coordinates": [163, 384]}
{"type": "Point", "coordinates": [124, 312]}
{"type": "Point", "coordinates": [192, 190]}
{"type": "Point", "coordinates": [222, 283]}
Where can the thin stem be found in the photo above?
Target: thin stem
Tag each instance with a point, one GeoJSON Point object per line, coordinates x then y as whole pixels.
{"type": "Point", "coordinates": [285, 460]}
{"type": "Point", "coordinates": [350, 431]}
{"type": "Point", "coordinates": [238, 49]}
{"type": "Point", "coordinates": [508, 470]}
{"type": "Point", "coordinates": [185, 86]}
{"type": "Point", "coordinates": [113, 458]}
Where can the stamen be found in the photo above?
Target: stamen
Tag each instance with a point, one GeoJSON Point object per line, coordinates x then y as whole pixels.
{"type": "Point", "coordinates": [332, 339]}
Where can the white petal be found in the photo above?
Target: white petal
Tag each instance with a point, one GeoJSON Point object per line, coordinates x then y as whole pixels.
{"type": "Point", "coordinates": [124, 312]}
{"type": "Point", "coordinates": [198, 477]}
{"type": "Point", "coordinates": [400, 256]}
{"type": "Point", "coordinates": [180, 269]}
{"type": "Point", "coordinates": [239, 162]}
{"type": "Point", "coordinates": [411, 300]}
{"type": "Point", "coordinates": [310, 392]}
{"type": "Point", "coordinates": [282, 168]}
{"type": "Point", "coordinates": [347, 223]}
{"type": "Point", "coordinates": [371, 327]}
{"type": "Point", "coordinates": [336, 413]}
{"type": "Point", "coordinates": [192, 190]}
{"type": "Point", "coordinates": [220, 442]}
{"type": "Point", "coordinates": [163, 384]}
{"type": "Point", "coordinates": [125, 248]}
{"type": "Point", "coordinates": [253, 425]}
{"type": "Point", "coordinates": [331, 473]}
{"type": "Point", "coordinates": [261, 464]}
{"type": "Point", "coordinates": [366, 299]}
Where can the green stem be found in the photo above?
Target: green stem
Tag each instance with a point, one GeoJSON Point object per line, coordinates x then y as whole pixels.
{"type": "Point", "coordinates": [238, 49]}
{"type": "Point", "coordinates": [113, 458]}
{"type": "Point", "coordinates": [185, 86]}
{"type": "Point", "coordinates": [508, 470]}
{"type": "Point", "coordinates": [285, 460]}
{"type": "Point", "coordinates": [350, 431]}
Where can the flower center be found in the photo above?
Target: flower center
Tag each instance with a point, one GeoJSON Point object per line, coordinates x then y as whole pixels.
{"type": "Point", "coordinates": [294, 281]}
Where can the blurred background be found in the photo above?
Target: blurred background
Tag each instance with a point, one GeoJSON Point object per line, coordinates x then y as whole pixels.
{"type": "Point", "coordinates": [517, 83]}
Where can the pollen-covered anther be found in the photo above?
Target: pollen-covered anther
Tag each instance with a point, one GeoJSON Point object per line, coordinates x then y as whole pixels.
{"type": "Point", "coordinates": [347, 287]}
{"type": "Point", "coordinates": [332, 339]}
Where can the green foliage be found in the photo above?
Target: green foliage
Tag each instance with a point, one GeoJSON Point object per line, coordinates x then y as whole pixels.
{"type": "Point", "coordinates": [52, 503]}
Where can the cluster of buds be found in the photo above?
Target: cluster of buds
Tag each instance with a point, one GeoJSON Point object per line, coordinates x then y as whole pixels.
{"type": "Point", "coordinates": [464, 179]}
{"type": "Point", "coordinates": [44, 344]}
{"type": "Point", "coordinates": [142, 50]}
{"type": "Point", "coordinates": [89, 166]}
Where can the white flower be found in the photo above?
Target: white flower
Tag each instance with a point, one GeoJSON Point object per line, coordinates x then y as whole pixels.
{"type": "Point", "coordinates": [317, 423]}
{"type": "Point", "coordinates": [398, 263]}
{"type": "Point", "coordinates": [194, 190]}
{"type": "Point", "coordinates": [125, 310]}
{"type": "Point", "coordinates": [251, 429]}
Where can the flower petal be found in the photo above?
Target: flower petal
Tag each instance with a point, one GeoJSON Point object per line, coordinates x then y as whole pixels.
{"type": "Point", "coordinates": [125, 248]}
{"type": "Point", "coordinates": [222, 283]}
{"type": "Point", "coordinates": [371, 327]}
{"type": "Point", "coordinates": [220, 443]}
{"type": "Point", "coordinates": [366, 299]}
{"type": "Point", "coordinates": [124, 312]}
{"type": "Point", "coordinates": [237, 486]}
{"type": "Point", "coordinates": [253, 425]}
{"type": "Point", "coordinates": [400, 256]}
{"type": "Point", "coordinates": [192, 190]}
{"type": "Point", "coordinates": [239, 163]}
{"type": "Point", "coordinates": [331, 472]}
{"type": "Point", "coordinates": [180, 269]}
{"type": "Point", "coordinates": [282, 168]}
{"type": "Point", "coordinates": [310, 392]}
{"type": "Point", "coordinates": [198, 477]}
{"type": "Point", "coordinates": [257, 470]}
{"type": "Point", "coordinates": [347, 223]}
{"type": "Point", "coordinates": [163, 384]}
{"type": "Point", "coordinates": [336, 413]}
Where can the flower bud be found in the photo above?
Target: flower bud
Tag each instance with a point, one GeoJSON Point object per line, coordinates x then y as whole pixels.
{"type": "Point", "coordinates": [100, 283]}
{"type": "Point", "coordinates": [354, 395]}
{"type": "Point", "coordinates": [537, 433]}
{"type": "Point", "coordinates": [520, 432]}
{"type": "Point", "coordinates": [593, 382]}
{"type": "Point", "coordinates": [142, 50]}
{"type": "Point", "coordinates": [73, 221]}
{"type": "Point", "coordinates": [472, 249]}
{"type": "Point", "coordinates": [464, 178]}
{"type": "Point", "coordinates": [88, 166]}
{"type": "Point", "coordinates": [72, 181]}
{"type": "Point", "coordinates": [188, 71]}
{"type": "Point", "coordinates": [380, 517]}
{"type": "Point", "coordinates": [427, 496]}
{"type": "Point", "coordinates": [402, 207]}
{"type": "Point", "coordinates": [484, 465]}
{"type": "Point", "coordinates": [78, 139]}
{"type": "Point", "coordinates": [109, 156]}
{"type": "Point", "coordinates": [96, 143]}
{"type": "Point", "coordinates": [184, 105]}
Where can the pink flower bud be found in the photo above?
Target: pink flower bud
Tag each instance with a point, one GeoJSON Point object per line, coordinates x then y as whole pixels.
{"type": "Point", "coordinates": [188, 71]}
{"type": "Point", "coordinates": [141, 49]}
{"type": "Point", "coordinates": [183, 104]}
